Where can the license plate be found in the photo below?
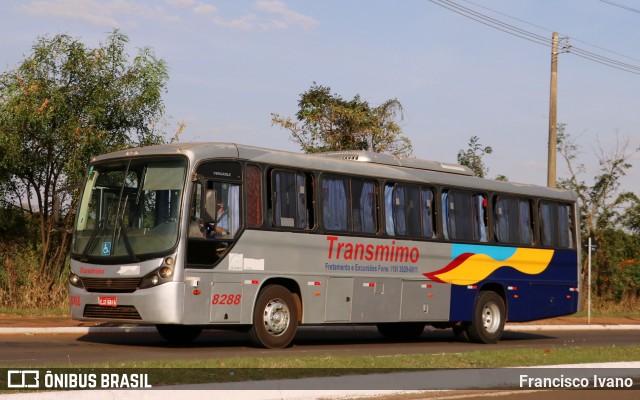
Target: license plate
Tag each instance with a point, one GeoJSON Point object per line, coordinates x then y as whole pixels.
{"type": "Point", "coordinates": [108, 301]}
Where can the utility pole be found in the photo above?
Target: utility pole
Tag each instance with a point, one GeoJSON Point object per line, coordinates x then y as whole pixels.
{"type": "Point", "coordinates": [553, 113]}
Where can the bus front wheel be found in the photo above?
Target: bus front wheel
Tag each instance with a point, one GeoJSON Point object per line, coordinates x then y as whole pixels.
{"type": "Point", "coordinates": [275, 318]}
{"type": "Point", "coordinates": [488, 318]}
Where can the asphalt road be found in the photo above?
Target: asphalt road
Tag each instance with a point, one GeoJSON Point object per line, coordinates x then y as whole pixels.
{"type": "Point", "coordinates": [33, 350]}
{"type": "Point", "coordinates": [71, 349]}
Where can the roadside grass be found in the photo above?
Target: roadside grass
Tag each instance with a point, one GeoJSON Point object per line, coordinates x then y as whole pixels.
{"type": "Point", "coordinates": [473, 359]}
{"type": "Point", "coordinates": [237, 369]}
{"type": "Point", "coordinates": [609, 313]}
{"type": "Point", "coordinates": [35, 312]}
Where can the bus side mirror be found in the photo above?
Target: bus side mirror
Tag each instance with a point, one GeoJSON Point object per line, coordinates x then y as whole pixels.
{"type": "Point", "coordinates": [210, 205]}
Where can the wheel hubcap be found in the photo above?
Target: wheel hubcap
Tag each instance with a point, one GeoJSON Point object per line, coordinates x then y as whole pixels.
{"type": "Point", "coordinates": [491, 317]}
{"type": "Point", "coordinates": [276, 317]}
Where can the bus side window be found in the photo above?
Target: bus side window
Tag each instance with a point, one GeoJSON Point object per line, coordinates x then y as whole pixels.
{"type": "Point", "coordinates": [221, 212]}
{"type": "Point", "coordinates": [556, 225]}
{"type": "Point", "coordinates": [480, 218]}
{"type": "Point", "coordinates": [335, 214]}
{"type": "Point", "coordinates": [427, 213]}
{"type": "Point", "coordinates": [363, 207]}
{"type": "Point", "coordinates": [291, 206]}
{"type": "Point", "coordinates": [459, 215]}
{"type": "Point", "coordinates": [388, 209]}
{"type": "Point", "coordinates": [400, 210]}
{"type": "Point", "coordinates": [464, 215]}
{"type": "Point", "coordinates": [565, 228]}
{"type": "Point", "coordinates": [526, 221]}
{"type": "Point", "coordinates": [348, 204]}
{"type": "Point", "coordinates": [409, 210]}
{"type": "Point", "coordinates": [512, 220]}
{"type": "Point", "coordinates": [196, 219]}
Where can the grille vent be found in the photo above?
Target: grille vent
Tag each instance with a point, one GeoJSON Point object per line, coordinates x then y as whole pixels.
{"type": "Point", "coordinates": [115, 285]}
{"type": "Point", "coordinates": [119, 312]}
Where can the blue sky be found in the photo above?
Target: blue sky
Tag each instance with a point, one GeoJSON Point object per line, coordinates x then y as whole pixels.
{"type": "Point", "coordinates": [233, 63]}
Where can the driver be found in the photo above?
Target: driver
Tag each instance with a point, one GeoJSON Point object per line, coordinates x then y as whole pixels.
{"type": "Point", "coordinates": [221, 224]}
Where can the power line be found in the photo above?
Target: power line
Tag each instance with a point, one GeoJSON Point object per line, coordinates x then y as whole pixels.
{"type": "Point", "coordinates": [492, 22]}
{"type": "Point", "coordinates": [634, 69]}
{"type": "Point", "coordinates": [508, 16]}
{"type": "Point", "coordinates": [635, 10]}
{"type": "Point", "coordinates": [551, 30]}
{"type": "Point", "coordinates": [533, 37]}
{"type": "Point", "coordinates": [602, 48]}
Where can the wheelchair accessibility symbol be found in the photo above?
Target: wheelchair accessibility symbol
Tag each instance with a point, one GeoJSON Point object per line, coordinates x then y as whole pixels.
{"type": "Point", "coordinates": [106, 248]}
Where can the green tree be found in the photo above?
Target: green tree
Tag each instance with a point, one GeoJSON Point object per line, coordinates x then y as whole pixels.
{"type": "Point", "coordinates": [326, 122]}
{"type": "Point", "coordinates": [617, 262]}
{"type": "Point", "coordinates": [472, 158]}
{"type": "Point", "coordinates": [603, 200]}
{"type": "Point", "coordinates": [630, 219]}
{"type": "Point", "coordinates": [63, 104]}
{"type": "Point", "coordinates": [605, 211]}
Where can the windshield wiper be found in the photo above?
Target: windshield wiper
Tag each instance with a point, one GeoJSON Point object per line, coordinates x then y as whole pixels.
{"type": "Point", "coordinates": [127, 242]}
{"type": "Point", "coordinates": [91, 244]}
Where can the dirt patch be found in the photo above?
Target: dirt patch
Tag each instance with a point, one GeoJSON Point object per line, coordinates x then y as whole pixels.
{"type": "Point", "coordinates": [12, 321]}
{"type": "Point", "coordinates": [600, 320]}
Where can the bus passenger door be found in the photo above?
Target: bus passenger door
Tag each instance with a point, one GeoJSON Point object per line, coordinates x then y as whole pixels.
{"type": "Point", "coordinates": [339, 299]}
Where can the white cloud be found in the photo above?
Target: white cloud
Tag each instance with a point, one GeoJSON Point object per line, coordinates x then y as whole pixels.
{"type": "Point", "coordinates": [267, 15]}
{"type": "Point", "coordinates": [204, 9]}
{"type": "Point", "coordinates": [198, 8]}
{"type": "Point", "coordinates": [111, 13]}
{"type": "Point", "coordinates": [181, 3]}
{"type": "Point", "coordinates": [286, 18]}
{"type": "Point", "coordinates": [271, 15]}
{"type": "Point", "coordinates": [245, 23]}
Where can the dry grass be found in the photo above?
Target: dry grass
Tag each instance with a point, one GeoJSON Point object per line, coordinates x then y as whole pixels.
{"type": "Point", "coordinates": [21, 285]}
{"type": "Point", "coordinates": [627, 306]}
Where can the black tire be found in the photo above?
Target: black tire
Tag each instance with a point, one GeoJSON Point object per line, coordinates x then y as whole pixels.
{"type": "Point", "coordinates": [401, 330]}
{"type": "Point", "coordinates": [179, 333]}
{"type": "Point", "coordinates": [275, 318]}
{"type": "Point", "coordinates": [489, 317]}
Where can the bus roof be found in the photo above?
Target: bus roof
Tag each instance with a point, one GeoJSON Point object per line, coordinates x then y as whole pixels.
{"type": "Point", "coordinates": [361, 163]}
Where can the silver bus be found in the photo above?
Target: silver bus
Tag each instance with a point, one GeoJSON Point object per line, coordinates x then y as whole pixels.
{"type": "Point", "coordinates": [194, 236]}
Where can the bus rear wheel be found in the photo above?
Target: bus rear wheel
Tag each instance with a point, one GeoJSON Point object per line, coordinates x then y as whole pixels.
{"type": "Point", "coordinates": [489, 317]}
{"type": "Point", "coordinates": [401, 330]}
{"type": "Point", "coordinates": [179, 333]}
{"type": "Point", "coordinates": [275, 318]}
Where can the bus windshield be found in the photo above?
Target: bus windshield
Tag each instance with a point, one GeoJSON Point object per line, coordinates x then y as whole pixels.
{"type": "Point", "coordinates": [129, 210]}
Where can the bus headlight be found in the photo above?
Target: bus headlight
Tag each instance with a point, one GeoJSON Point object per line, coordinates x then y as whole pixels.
{"type": "Point", "coordinates": [157, 277]}
{"type": "Point", "coordinates": [165, 272]}
{"type": "Point", "coordinates": [74, 280]}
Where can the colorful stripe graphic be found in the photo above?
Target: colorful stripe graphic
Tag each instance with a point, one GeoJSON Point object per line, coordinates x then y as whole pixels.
{"type": "Point", "coordinates": [470, 263]}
